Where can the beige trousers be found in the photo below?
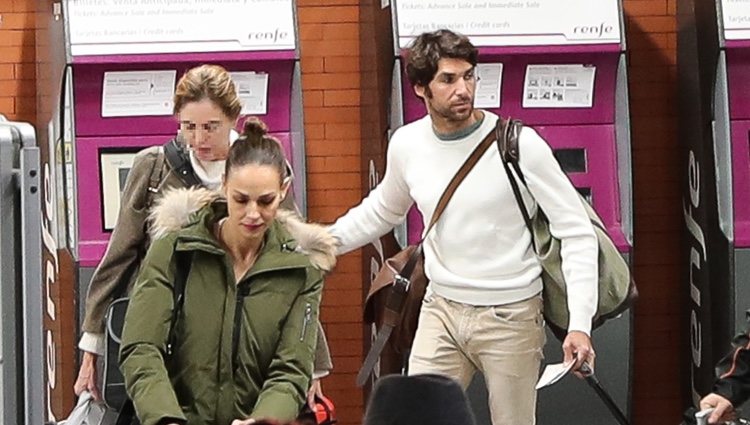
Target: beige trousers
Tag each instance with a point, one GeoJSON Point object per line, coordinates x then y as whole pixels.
{"type": "Point", "coordinates": [503, 342]}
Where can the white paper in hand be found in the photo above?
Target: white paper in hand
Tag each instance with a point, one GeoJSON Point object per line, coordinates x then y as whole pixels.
{"type": "Point", "coordinates": [701, 418]}
{"type": "Point", "coordinates": [553, 373]}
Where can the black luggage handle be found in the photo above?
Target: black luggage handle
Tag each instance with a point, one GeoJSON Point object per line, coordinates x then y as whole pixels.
{"type": "Point", "coordinates": [591, 379]}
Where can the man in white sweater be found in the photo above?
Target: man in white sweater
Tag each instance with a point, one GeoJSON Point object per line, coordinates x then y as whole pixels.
{"type": "Point", "coordinates": [483, 308]}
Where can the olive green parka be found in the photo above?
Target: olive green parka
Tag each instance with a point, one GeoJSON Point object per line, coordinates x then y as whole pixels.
{"type": "Point", "coordinates": [213, 377]}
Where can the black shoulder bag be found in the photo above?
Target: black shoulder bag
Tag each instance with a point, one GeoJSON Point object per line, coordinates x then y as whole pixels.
{"type": "Point", "coordinates": [179, 161]}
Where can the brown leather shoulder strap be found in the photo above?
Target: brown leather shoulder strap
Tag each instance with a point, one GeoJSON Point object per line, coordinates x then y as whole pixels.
{"type": "Point", "coordinates": [508, 141]}
{"type": "Point", "coordinates": [467, 166]}
{"type": "Point", "coordinates": [508, 145]}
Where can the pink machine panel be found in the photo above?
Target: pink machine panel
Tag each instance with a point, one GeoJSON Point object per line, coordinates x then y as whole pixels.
{"type": "Point", "coordinates": [88, 82]}
{"type": "Point", "coordinates": [738, 64]}
{"type": "Point", "coordinates": [741, 182]}
{"type": "Point", "coordinates": [95, 134]}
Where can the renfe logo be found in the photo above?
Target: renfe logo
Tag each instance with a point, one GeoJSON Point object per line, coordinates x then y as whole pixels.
{"type": "Point", "coordinates": [49, 274]}
{"type": "Point", "coordinates": [698, 258]}
{"type": "Point", "coordinates": [594, 30]}
{"type": "Point", "coordinates": [273, 37]}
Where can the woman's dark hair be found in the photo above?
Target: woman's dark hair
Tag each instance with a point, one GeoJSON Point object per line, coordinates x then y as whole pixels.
{"type": "Point", "coordinates": [255, 146]}
{"type": "Point", "coordinates": [428, 48]}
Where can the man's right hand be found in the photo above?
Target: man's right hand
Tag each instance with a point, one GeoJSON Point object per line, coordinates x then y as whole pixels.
{"type": "Point", "coordinates": [723, 409]}
{"type": "Point", "coordinates": [87, 377]}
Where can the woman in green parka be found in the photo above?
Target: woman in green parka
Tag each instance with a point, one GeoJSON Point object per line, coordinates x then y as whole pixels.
{"type": "Point", "coordinates": [245, 337]}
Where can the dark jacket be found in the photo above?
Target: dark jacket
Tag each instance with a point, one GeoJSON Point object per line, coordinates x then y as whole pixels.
{"type": "Point", "coordinates": [734, 372]}
{"type": "Point", "coordinates": [210, 379]}
{"type": "Point", "coordinates": [129, 241]}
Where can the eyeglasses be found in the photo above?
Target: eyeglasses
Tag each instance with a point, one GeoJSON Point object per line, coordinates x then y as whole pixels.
{"type": "Point", "coordinates": [208, 127]}
{"type": "Point", "coordinates": [469, 76]}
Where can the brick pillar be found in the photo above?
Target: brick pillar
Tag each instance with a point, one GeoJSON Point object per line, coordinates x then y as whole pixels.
{"type": "Point", "coordinates": [329, 39]}
{"type": "Point", "coordinates": [652, 42]}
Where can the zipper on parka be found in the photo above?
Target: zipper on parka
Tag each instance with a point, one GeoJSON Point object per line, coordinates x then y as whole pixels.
{"type": "Point", "coordinates": [306, 321]}
{"type": "Point", "coordinates": [243, 290]}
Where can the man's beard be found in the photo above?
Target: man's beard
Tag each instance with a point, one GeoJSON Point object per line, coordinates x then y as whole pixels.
{"type": "Point", "coordinates": [451, 115]}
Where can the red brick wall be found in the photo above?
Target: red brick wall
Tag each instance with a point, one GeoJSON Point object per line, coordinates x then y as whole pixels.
{"type": "Point", "coordinates": [17, 60]}
{"type": "Point", "coordinates": [329, 38]}
{"type": "Point", "coordinates": [652, 42]}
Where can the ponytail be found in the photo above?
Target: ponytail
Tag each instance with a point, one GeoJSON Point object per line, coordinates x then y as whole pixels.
{"type": "Point", "coordinates": [256, 146]}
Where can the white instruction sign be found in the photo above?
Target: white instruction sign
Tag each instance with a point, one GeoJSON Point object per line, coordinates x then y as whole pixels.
{"type": "Point", "coordinates": [512, 22]}
{"type": "Point", "coordinates": [138, 93]}
{"type": "Point", "coordinates": [736, 16]}
{"type": "Point", "coordinates": [110, 27]}
{"type": "Point", "coordinates": [252, 89]}
{"type": "Point", "coordinates": [114, 169]}
{"type": "Point", "coordinates": [559, 86]}
{"type": "Point", "coordinates": [489, 85]}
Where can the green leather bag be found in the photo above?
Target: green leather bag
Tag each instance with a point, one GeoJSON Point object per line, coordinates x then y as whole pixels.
{"type": "Point", "coordinates": [617, 291]}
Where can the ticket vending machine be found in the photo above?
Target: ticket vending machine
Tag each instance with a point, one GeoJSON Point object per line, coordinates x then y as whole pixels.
{"type": "Point", "coordinates": [564, 73]}
{"type": "Point", "coordinates": [122, 60]}
{"type": "Point", "coordinates": [714, 63]}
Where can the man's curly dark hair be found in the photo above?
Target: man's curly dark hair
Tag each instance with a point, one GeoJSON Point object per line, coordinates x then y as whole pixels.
{"type": "Point", "coordinates": [428, 48]}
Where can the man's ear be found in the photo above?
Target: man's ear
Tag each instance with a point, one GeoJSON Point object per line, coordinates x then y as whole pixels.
{"type": "Point", "coordinates": [420, 91]}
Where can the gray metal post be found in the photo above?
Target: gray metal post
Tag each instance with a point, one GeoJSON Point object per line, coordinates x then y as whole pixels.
{"type": "Point", "coordinates": [10, 399]}
{"type": "Point", "coordinates": [31, 274]}
{"type": "Point", "coordinates": [299, 163]}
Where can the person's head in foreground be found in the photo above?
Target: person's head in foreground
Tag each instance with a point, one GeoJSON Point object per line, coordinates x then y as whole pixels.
{"type": "Point", "coordinates": [418, 400]}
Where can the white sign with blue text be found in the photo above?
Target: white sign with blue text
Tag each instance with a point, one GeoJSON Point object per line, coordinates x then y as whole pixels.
{"type": "Point", "coordinates": [512, 22]}
{"type": "Point", "coordinates": [111, 27]}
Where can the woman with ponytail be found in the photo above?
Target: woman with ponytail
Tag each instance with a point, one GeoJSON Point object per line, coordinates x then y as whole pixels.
{"type": "Point", "coordinates": [245, 336]}
{"type": "Point", "coordinates": [206, 108]}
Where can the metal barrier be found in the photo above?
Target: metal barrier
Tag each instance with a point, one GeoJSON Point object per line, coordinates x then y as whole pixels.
{"type": "Point", "coordinates": [22, 362]}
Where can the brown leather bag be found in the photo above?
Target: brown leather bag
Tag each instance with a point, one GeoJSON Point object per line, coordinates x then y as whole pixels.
{"type": "Point", "coordinates": [395, 297]}
{"type": "Point", "coordinates": [401, 309]}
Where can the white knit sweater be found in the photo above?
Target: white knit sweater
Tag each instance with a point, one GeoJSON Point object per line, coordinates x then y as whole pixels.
{"type": "Point", "coordinates": [480, 251]}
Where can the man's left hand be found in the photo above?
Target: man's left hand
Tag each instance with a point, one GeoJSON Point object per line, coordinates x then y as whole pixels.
{"type": "Point", "coordinates": [577, 348]}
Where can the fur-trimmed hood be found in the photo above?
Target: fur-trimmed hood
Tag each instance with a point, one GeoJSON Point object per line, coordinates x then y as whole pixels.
{"type": "Point", "coordinates": [176, 209]}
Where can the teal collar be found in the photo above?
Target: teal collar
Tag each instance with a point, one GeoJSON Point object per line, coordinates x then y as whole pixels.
{"type": "Point", "coordinates": [459, 134]}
